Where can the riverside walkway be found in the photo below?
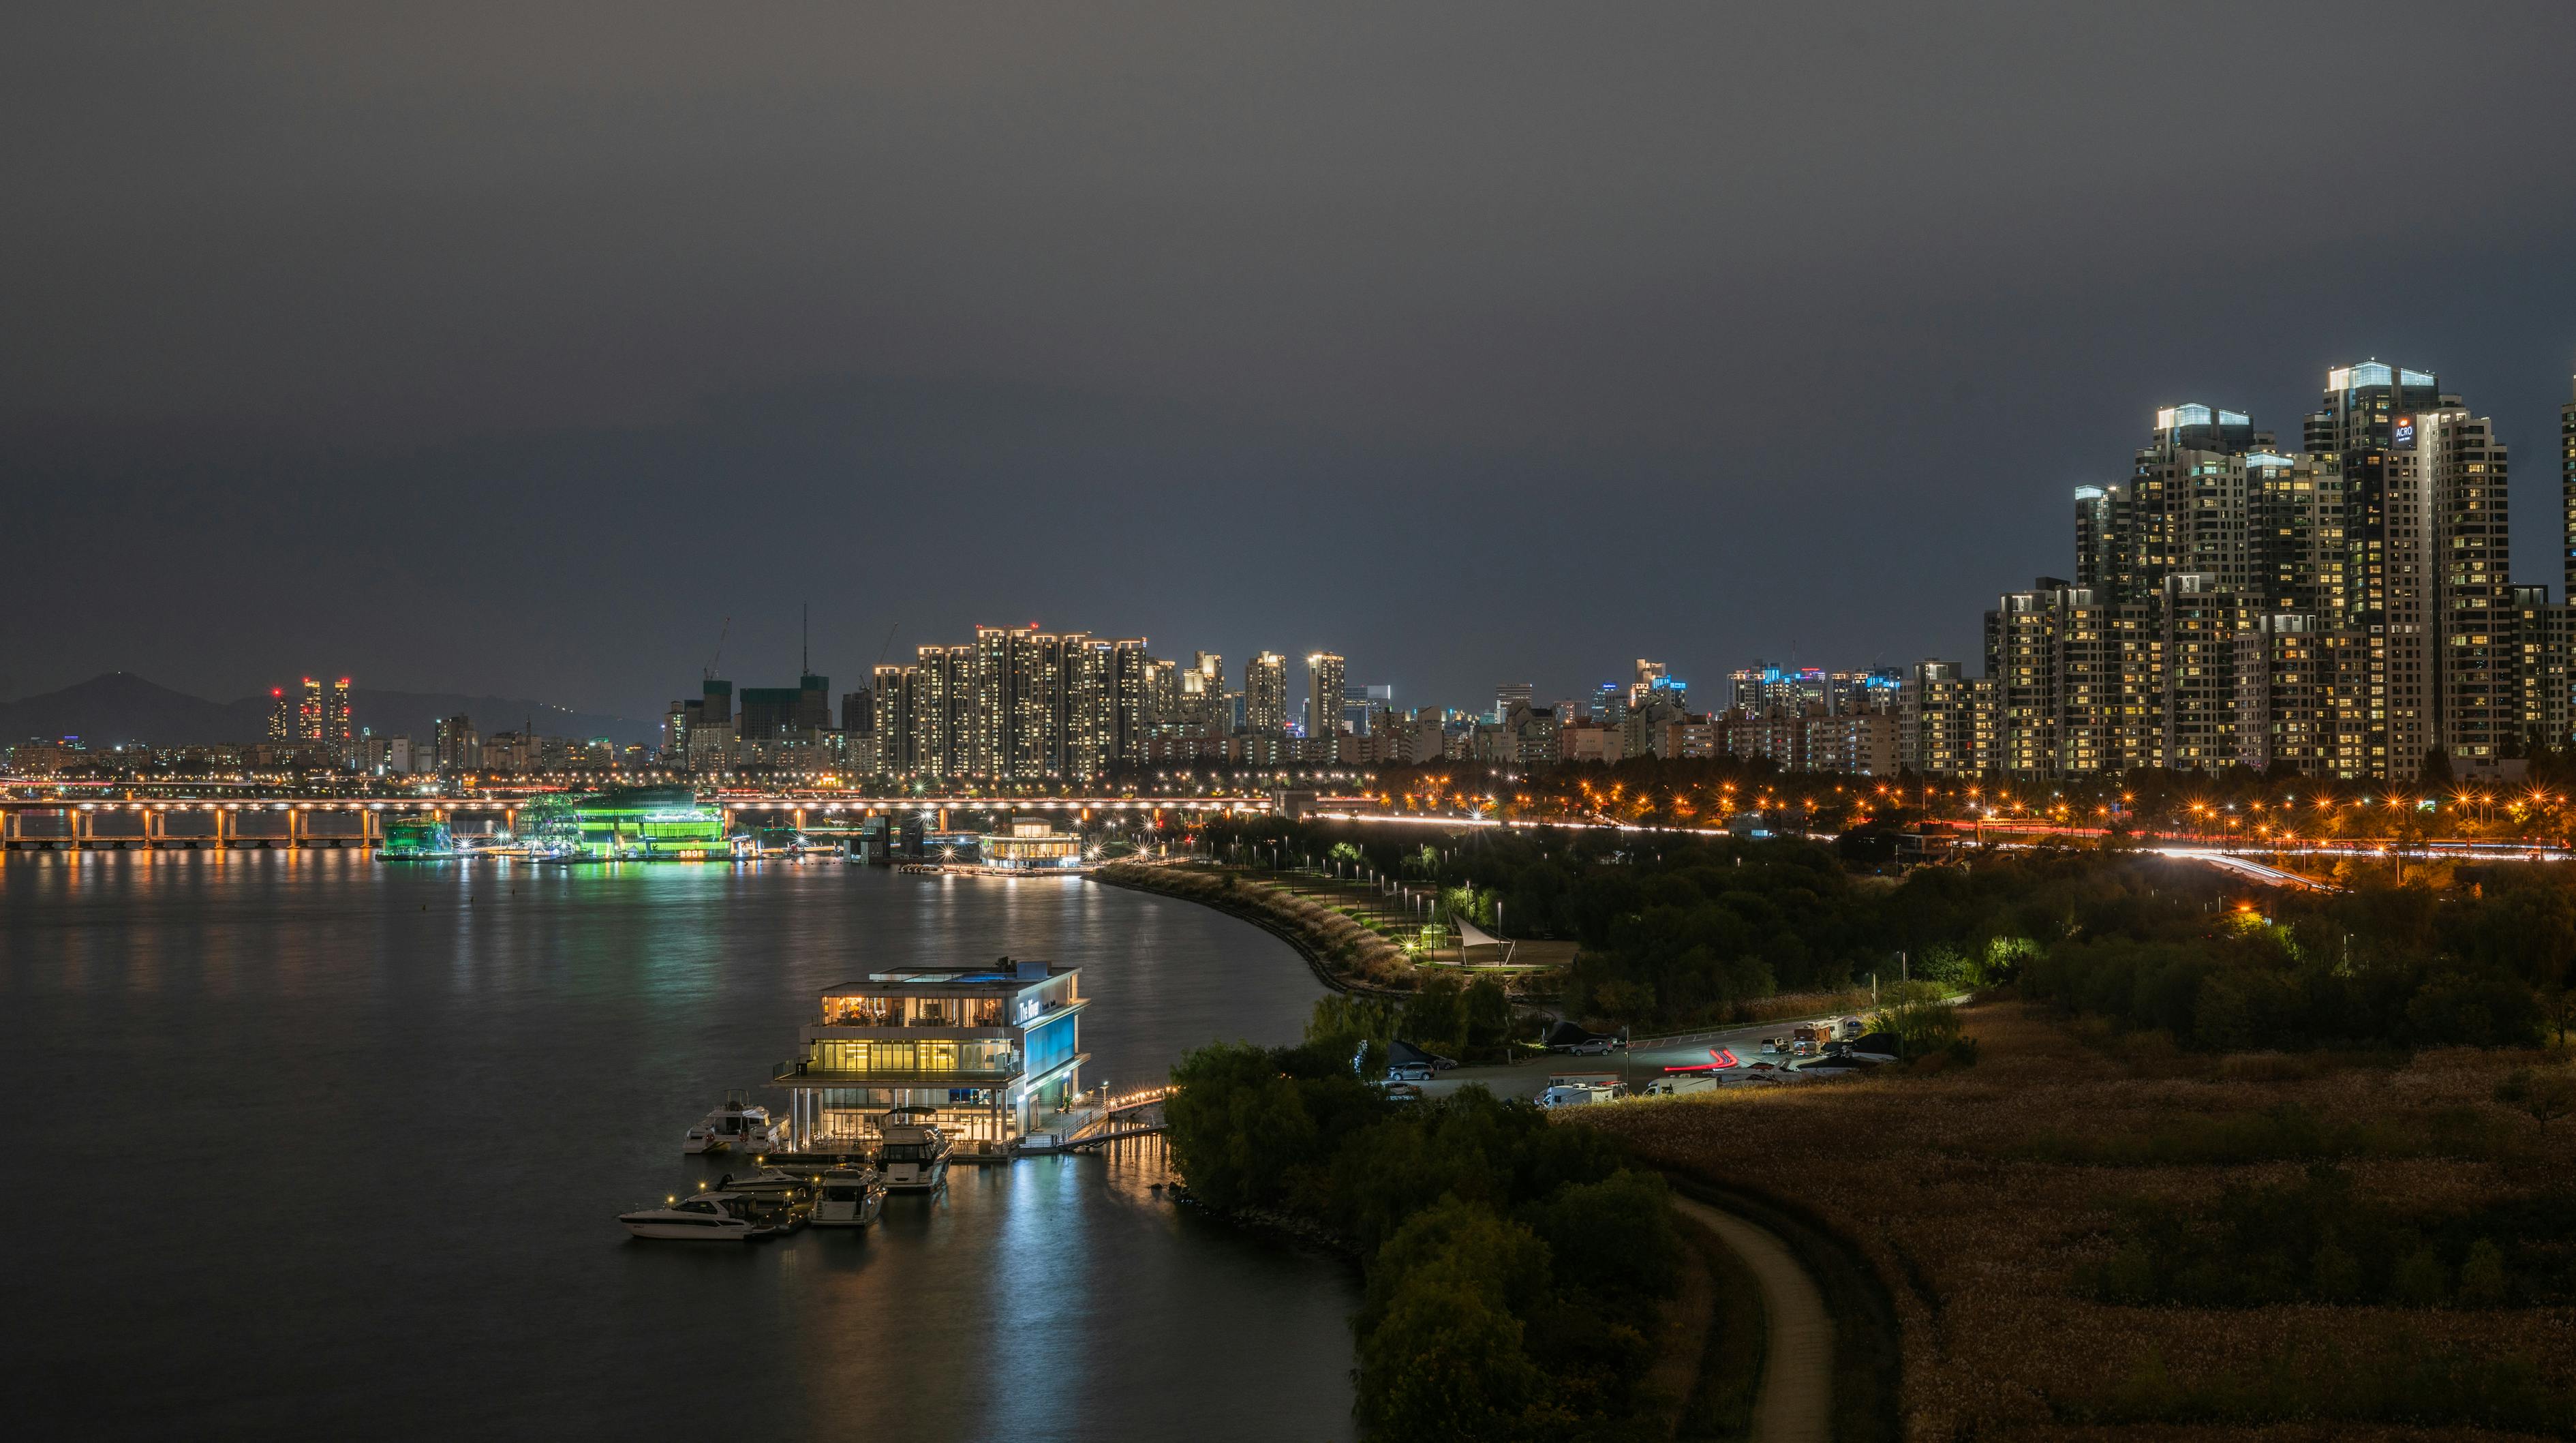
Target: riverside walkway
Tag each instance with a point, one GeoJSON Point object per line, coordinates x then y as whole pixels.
{"type": "Point", "coordinates": [1795, 1404]}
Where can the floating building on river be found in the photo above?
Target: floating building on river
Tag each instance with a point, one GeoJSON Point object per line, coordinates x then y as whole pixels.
{"type": "Point", "coordinates": [993, 1049]}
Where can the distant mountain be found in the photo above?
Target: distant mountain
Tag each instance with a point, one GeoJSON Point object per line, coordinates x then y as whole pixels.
{"type": "Point", "coordinates": [120, 707]}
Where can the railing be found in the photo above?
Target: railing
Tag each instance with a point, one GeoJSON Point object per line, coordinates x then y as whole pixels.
{"type": "Point", "coordinates": [801, 1071]}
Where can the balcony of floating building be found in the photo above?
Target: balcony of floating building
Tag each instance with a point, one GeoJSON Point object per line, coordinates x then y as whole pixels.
{"type": "Point", "coordinates": [843, 1061]}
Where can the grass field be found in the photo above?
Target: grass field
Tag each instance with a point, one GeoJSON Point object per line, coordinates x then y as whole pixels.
{"type": "Point", "coordinates": [2091, 1236]}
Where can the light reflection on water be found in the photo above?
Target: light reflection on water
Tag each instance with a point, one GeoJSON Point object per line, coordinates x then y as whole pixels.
{"type": "Point", "coordinates": [361, 1129]}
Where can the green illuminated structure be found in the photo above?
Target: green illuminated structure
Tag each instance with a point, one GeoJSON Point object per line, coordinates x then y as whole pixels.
{"type": "Point", "coordinates": [647, 822]}
{"type": "Point", "coordinates": [416, 839]}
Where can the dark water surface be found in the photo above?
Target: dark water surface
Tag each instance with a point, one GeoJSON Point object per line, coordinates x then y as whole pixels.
{"type": "Point", "coordinates": [319, 1144]}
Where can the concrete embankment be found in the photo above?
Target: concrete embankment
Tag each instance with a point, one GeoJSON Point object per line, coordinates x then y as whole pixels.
{"type": "Point", "coordinates": [1343, 954]}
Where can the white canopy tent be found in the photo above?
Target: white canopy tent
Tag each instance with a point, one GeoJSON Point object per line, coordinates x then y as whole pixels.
{"type": "Point", "coordinates": [1471, 936]}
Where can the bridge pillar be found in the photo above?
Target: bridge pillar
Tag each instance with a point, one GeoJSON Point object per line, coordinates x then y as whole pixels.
{"type": "Point", "coordinates": [294, 829]}
{"type": "Point", "coordinates": [80, 827]}
{"type": "Point", "coordinates": [223, 830]}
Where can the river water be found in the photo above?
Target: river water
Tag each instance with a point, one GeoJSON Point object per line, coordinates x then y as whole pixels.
{"type": "Point", "coordinates": [313, 1144]}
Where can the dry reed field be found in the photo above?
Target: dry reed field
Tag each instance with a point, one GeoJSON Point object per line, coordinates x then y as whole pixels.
{"type": "Point", "coordinates": [2055, 1224]}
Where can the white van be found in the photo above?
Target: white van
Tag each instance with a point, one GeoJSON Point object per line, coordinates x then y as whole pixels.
{"type": "Point", "coordinates": [1573, 1095]}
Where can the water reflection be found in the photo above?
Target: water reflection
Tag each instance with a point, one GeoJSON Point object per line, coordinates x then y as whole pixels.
{"type": "Point", "coordinates": [434, 1085]}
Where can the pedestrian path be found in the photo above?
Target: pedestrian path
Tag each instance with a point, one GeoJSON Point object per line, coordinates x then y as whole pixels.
{"type": "Point", "coordinates": [1796, 1400]}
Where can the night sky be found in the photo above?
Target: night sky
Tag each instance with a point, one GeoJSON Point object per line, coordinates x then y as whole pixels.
{"type": "Point", "coordinates": [509, 348]}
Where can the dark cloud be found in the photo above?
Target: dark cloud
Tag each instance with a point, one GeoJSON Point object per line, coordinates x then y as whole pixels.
{"type": "Point", "coordinates": [510, 347]}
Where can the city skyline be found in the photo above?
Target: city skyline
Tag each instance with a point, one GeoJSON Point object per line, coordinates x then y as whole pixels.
{"type": "Point", "coordinates": [1148, 325]}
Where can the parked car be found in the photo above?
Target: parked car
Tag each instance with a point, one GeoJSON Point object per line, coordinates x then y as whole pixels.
{"type": "Point", "coordinates": [1852, 1028]}
{"type": "Point", "coordinates": [1409, 1072]}
{"type": "Point", "coordinates": [1595, 1047]}
{"type": "Point", "coordinates": [1771, 1046]}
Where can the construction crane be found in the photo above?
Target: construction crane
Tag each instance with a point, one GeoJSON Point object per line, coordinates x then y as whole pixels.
{"type": "Point", "coordinates": [718, 660]}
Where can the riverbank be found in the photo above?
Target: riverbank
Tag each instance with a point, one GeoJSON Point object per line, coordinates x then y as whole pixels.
{"type": "Point", "coordinates": [1344, 953]}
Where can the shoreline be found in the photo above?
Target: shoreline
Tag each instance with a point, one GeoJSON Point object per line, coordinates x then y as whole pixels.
{"type": "Point", "coordinates": [1136, 878]}
{"type": "Point", "coordinates": [1309, 942]}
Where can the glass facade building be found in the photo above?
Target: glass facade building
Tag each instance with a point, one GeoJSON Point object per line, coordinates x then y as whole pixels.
{"type": "Point", "coordinates": [993, 1050]}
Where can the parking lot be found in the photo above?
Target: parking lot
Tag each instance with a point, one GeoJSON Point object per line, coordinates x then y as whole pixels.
{"type": "Point", "coordinates": [1635, 1067]}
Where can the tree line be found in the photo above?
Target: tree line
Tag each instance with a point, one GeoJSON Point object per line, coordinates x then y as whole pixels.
{"type": "Point", "coordinates": [1682, 930]}
{"type": "Point", "coordinates": [1513, 1268]}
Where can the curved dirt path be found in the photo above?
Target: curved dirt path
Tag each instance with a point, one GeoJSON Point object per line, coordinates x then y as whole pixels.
{"type": "Point", "coordinates": [1796, 1401]}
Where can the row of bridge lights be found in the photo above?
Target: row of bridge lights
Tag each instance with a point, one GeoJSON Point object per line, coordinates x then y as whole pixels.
{"type": "Point", "coordinates": [240, 806]}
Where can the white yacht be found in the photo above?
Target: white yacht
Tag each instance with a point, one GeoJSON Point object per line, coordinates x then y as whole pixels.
{"type": "Point", "coordinates": [851, 1197]}
{"type": "Point", "coordinates": [768, 1182]}
{"type": "Point", "coordinates": [699, 1219]}
{"type": "Point", "coordinates": [914, 1156]}
{"type": "Point", "coordinates": [739, 1126]}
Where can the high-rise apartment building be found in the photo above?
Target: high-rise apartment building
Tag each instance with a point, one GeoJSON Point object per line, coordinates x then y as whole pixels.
{"type": "Point", "coordinates": [2544, 633]}
{"type": "Point", "coordinates": [1020, 705]}
{"type": "Point", "coordinates": [1202, 696]}
{"type": "Point", "coordinates": [2426, 569]}
{"type": "Point", "coordinates": [939, 729]}
{"type": "Point", "coordinates": [2341, 611]}
{"type": "Point", "coordinates": [1265, 693]}
{"type": "Point", "coordinates": [1324, 681]}
{"type": "Point", "coordinates": [453, 745]}
{"type": "Point", "coordinates": [281, 715]}
{"type": "Point", "coordinates": [2567, 492]}
{"type": "Point", "coordinates": [1937, 725]}
{"type": "Point", "coordinates": [2201, 620]}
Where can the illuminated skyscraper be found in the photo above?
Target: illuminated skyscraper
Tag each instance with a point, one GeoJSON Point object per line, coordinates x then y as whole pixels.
{"type": "Point", "coordinates": [281, 715]}
{"type": "Point", "coordinates": [2567, 492]}
{"type": "Point", "coordinates": [455, 748]}
{"type": "Point", "coordinates": [1323, 693]}
{"type": "Point", "coordinates": [1202, 699]}
{"type": "Point", "coordinates": [308, 712]}
{"type": "Point", "coordinates": [2426, 564]}
{"type": "Point", "coordinates": [1265, 693]}
{"type": "Point", "coordinates": [335, 713]}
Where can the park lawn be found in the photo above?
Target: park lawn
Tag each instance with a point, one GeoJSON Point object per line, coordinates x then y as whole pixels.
{"type": "Point", "coordinates": [2010, 1208]}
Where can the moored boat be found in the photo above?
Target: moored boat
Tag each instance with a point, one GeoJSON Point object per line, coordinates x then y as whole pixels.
{"type": "Point", "coordinates": [914, 1155]}
{"type": "Point", "coordinates": [737, 1125]}
{"type": "Point", "coordinates": [703, 1218]}
{"type": "Point", "coordinates": [849, 1197]}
